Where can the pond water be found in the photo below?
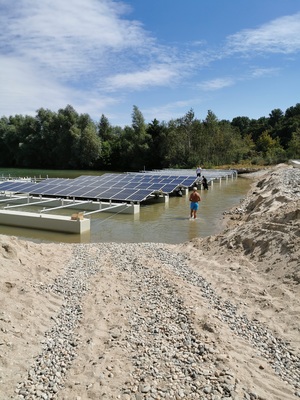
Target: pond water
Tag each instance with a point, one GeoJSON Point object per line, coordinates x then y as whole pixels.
{"type": "Point", "coordinates": [158, 222]}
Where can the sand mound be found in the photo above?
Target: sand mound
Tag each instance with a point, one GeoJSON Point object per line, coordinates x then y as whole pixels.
{"type": "Point", "coordinates": [266, 226]}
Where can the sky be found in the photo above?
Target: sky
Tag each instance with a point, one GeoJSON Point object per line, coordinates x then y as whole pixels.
{"type": "Point", "coordinates": [233, 57]}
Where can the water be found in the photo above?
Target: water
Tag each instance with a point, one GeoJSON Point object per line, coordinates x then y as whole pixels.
{"type": "Point", "coordinates": [160, 222]}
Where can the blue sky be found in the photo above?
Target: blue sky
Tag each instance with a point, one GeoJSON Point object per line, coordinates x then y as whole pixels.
{"type": "Point", "coordinates": [234, 57]}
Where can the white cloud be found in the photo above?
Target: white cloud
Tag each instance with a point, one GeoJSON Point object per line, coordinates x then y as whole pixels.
{"type": "Point", "coordinates": [24, 90]}
{"type": "Point", "coordinates": [160, 75]}
{"type": "Point", "coordinates": [55, 53]}
{"type": "Point", "coordinates": [216, 84]}
{"type": "Point", "coordinates": [68, 38]}
{"type": "Point", "coordinates": [281, 35]}
{"type": "Point", "coordinates": [263, 72]}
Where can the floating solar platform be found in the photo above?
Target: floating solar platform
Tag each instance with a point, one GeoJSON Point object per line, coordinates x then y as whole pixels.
{"type": "Point", "coordinates": [135, 187]}
{"type": "Point", "coordinates": [121, 193]}
{"type": "Point", "coordinates": [125, 187]}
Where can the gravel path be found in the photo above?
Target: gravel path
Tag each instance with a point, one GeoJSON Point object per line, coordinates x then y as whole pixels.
{"type": "Point", "coordinates": [171, 359]}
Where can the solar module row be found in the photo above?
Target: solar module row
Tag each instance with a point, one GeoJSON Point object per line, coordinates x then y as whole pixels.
{"type": "Point", "coordinates": [124, 187]}
{"type": "Point", "coordinates": [122, 178]}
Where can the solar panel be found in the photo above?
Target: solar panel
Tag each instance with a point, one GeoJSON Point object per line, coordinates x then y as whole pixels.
{"type": "Point", "coordinates": [91, 194]}
{"type": "Point", "coordinates": [156, 186]}
{"type": "Point", "coordinates": [55, 181]}
{"type": "Point", "coordinates": [122, 195]}
{"type": "Point", "coordinates": [7, 185]}
{"type": "Point", "coordinates": [22, 187]}
{"type": "Point", "coordinates": [164, 180]}
{"type": "Point", "coordinates": [155, 179]}
{"type": "Point", "coordinates": [139, 195]}
{"type": "Point", "coordinates": [178, 180]}
{"type": "Point", "coordinates": [143, 185]}
{"type": "Point", "coordinates": [188, 182]}
{"type": "Point", "coordinates": [169, 188]}
{"type": "Point", "coordinates": [109, 193]}
{"type": "Point", "coordinates": [130, 185]}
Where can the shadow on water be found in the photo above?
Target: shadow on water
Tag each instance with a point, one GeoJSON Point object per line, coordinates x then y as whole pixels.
{"type": "Point", "coordinates": [160, 223]}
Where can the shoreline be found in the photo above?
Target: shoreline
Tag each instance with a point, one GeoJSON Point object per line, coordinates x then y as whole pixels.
{"type": "Point", "coordinates": [211, 317]}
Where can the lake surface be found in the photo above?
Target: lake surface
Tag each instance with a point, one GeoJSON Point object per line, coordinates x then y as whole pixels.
{"type": "Point", "coordinates": [161, 222]}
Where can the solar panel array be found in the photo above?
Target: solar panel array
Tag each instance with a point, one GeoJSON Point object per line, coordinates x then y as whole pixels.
{"type": "Point", "coordinates": [135, 187]}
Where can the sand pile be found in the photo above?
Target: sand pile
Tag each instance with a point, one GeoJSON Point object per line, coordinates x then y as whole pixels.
{"type": "Point", "coordinates": [214, 318]}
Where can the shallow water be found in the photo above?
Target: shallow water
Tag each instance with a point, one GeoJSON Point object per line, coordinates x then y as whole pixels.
{"type": "Point", "coordinates": [161, 222]}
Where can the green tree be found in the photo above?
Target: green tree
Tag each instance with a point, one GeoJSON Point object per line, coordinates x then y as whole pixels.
{"type": "Point", "coordinates": [90, 147]}
{"type": "Point", "coordinates": [156, 132]}
{"type": "Point", "coordinates": [46, 121]}
{"type": "Point", "coordinates": [9, 143]}
{"type": "Point", "coordinates": [243, 125]}
{"type": "Point", "coordinates": [135, 142]}
{"type": "Point", "coordinates": [270, 148]}
{"type": "Point", "coordinates": [275, 117]}
{"type": "Point", "coordinates": [31, 146]}
{"type": "Point", "coordinates": [105, 129]}
{"type": "Point", "coordinates": [265, 142]}
{"type": "Point", "coordinates": [293, 149]}
{"type": "Point", "coordinates": [212, 138]}
{"type": "Point", "coordinates": [175, 146]}
{"type": "Point", "coordinates": [138, 122]}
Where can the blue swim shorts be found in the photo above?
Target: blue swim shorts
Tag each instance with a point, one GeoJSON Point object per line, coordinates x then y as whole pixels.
{"type": "Point", "coordinates": [194, 205]}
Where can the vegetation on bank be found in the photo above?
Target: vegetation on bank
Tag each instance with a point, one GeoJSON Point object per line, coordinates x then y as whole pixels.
{"type": "Point", "coordinates": [68, 140]}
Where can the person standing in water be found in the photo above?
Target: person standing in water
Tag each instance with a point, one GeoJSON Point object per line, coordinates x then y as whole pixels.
{"type": "Point", "coordinates": [194, 202]}
{"type": "Point", "coordinates": [198, 171]}
{"type": "Point", "coordinates": [204, 183]}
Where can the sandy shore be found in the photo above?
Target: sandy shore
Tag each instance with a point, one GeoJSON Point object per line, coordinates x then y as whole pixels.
{"type": "Point", "coordinates": [214, 318]}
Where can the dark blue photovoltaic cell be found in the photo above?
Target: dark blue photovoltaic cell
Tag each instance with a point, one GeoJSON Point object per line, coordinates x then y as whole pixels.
{"type": "Point", "coordinates": [164, 180]}
{"type": "Point", "coordinates": [143, 185]}
{"type": "Point", "coordinates": [60, 191]}
{"type": "Point", "coordinates": [27, 187]}
{"type": "Point", "coordinates": [122, 195]}
{"type": "Point", "coordinates": [156, 186]}
{"type": "Point", "coordinates": [56, 181]}
{"type": "Point", "coordinates": [177, 180]}
{"type": "Point", "coordinates": [46, 189]}
{"type": "Point", "coordinates": [7, 185]}
{"type": "Point", "coordinates": [154, 177]}
{"type": "Point", "coordinates": [81, 190]}
{"type": "Point", "coordinates": [91, 194]}
{"type": "Point", "coordinates": [22, 187]}
{"type": "Point", "coordinates": [39, 188]}
{"type": "Point", "coordinates": [188, 182]}
{"type": "Point", "coordinates": [169, 188]}
{"type": "Point", "coordinates": [108, 194]}
{"type": "Point", "coordinates": [4, 185]}
{"type": "Point", "coordinates": [139, 195]}
{"type": "Point", "coordinates": [130, 185]}
{"type": "Point", "coordinates": [126, 192]}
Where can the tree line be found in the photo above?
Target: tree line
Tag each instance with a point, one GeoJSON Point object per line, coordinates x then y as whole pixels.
{"type": "Point", "coordinates": [68, 140]}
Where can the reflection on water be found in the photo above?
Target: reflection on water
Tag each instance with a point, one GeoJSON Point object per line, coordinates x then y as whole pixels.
{"type": "Point", "coordinates": [161, 222]}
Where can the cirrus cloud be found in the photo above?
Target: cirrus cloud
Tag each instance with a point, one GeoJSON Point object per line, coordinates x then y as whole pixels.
{"type": "Point", "coordinates": [281, 35]}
